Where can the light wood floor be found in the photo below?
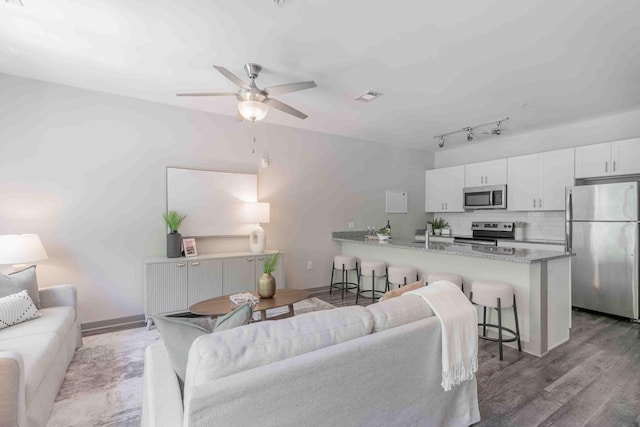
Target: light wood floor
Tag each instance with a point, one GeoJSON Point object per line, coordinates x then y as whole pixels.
{"type": "Point", "coordinates": [593, 380]}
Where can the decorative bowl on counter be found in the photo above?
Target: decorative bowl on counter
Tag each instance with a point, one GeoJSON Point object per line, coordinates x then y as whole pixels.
{"type": "Point", "coordinates": [383, 237]}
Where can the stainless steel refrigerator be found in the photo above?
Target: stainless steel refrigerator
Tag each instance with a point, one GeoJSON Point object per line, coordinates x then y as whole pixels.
{"type": "Point", "coordinates": [602, 231]}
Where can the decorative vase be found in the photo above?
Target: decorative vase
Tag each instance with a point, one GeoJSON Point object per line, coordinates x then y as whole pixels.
{"type": "Point", "coordinates": [174, 245]}
{"type": "Point", "coordinates": [266, 286]}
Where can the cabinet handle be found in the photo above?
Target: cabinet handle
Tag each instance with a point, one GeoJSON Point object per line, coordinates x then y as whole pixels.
{"type": "Point", "coordinates": [195, 264]}
{"type": "Point", "coordinates": [614, 165]}
{"type": "Point", "coordinates": [482, 180]}
{"type": "Point", "coordinates": [446, 206]}
{"type": "Point", "coordinates": [534, 203]}
{"type": "Point", "coordinates": [442, 206]}
{"type": "Point", "coordinates": [606, 166]}
{"type": "Point", "coordinates": [181, 264]}
{"type": "Point", "coordinates": [486, 179]}
{"type": "Point", "coordinates": [249, 259]}
{"type": "Point", "coordinates": [539, 203]}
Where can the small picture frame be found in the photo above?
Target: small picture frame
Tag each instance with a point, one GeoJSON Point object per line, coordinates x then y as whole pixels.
{"type": "Point", "coordinates": [189, 247]}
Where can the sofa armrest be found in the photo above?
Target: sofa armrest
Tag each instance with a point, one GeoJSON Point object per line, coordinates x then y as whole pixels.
{"type": "Point", "coordinates": [162, 399]}
{"type": "Point", "coordinates": [12, 394]}
{"type": "Point", "coordinates": [58, 296]}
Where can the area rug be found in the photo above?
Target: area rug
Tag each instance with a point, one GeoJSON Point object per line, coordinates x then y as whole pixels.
{"type": "Point", "coordinates": [103, 385]}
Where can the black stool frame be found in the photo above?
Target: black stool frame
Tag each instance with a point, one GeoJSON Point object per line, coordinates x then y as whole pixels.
{"type": "Point", "coordinates": [344, 284]}
{"type": "Point", "coordinates": [374, 292]}
{"type": "Point", "coordinates": [500, 339]}
{"type": "Point", "coordinates": [400, 284]}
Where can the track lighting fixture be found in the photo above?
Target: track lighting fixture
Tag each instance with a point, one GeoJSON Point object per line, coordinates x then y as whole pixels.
{"type": "Point", "coordinates": [497, 130]}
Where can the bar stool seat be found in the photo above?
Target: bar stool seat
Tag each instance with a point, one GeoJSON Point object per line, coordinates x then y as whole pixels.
{"type": "Point", "coordinates": [496, 295]}
{"type": "Point", "coordinates": [345, 264]}
{"type": "Point", "coordinates": [372, 269]}
{"type": "Point", "coordinates": [456, 279]}
{"type": "Point", "coordinates": [401, 275]}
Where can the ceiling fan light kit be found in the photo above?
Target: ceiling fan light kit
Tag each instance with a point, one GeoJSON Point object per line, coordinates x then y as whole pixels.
{"type": "Point", "coordinates": [253, 102]}
{"type": "Point", "coordinates": [497, 130]}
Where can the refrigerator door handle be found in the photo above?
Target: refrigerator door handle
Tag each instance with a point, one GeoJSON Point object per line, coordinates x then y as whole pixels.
{"type": "Point", "coordinates": [569, 224]}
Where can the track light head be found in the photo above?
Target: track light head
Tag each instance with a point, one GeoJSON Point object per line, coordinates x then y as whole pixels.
{"type": "Point", "coordinates": [469, 134]}
{"type": "Point", "coordinates": [441, 143]}
{"type": "Point", "coordinates": [496, 130]}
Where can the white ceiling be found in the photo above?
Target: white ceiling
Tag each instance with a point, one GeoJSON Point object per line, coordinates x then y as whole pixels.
{"type": "Point", "coordinates": [442, 65]}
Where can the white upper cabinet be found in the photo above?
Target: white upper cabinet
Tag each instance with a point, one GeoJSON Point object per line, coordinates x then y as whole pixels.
{"type": "Point", "coordinates": [537, 181]}
{"type": "Point", "coordinates": [493, 172]}
{"type": "Point", "coordinates": [443, 189]}
{"type": "Point", "coordinates": [608, 159]}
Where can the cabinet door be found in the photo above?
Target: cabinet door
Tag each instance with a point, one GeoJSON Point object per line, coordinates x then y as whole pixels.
{"type": "Point", "coordinates": [454, 187]}
{"type": "Point", "coordinates": [204, 281]}
{"type": "Point", "coordinates": [277, 274]}
{"type": "Point", "coordinates": [239, 275]}
{"type": "Point", "coordinates": [435, 183]}
{"type": "Point", "coordinates": [625, 157]}
{"type": "Point", "coordinates": [495, 172]}
{"type": "Point", "coordinates": [522, 187]}
{"type": "Point", "coordinates": [165, 288]}
{"type": "Point", "coordinates": [474, 174]}
{"type": "Point", "coordinates": [556, 171]}
{"type": "Point", "coordinates": [593, 160]}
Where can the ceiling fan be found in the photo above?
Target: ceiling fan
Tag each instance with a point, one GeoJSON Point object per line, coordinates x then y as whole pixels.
{"type": "Point", "coordinates": [254, 102]}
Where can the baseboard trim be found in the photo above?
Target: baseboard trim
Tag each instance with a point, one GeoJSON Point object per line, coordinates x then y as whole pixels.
{"type": "Point", "coordinates": [130, 321]}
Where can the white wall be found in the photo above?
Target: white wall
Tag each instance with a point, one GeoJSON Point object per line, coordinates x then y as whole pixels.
{"type": "Point", "coordinates": [86, 171]}
{"type": "Point", "coordinates": [540, 225]}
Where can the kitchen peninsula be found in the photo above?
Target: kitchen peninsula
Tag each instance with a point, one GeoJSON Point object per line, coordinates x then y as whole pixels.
{"type": "Point", "coordinates": [541, 279]}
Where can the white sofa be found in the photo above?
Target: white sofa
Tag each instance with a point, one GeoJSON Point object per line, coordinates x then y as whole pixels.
{"type": "Point", "coordinates": [34, 357]}
{"type": "Point", "coordinates": [349, 366]}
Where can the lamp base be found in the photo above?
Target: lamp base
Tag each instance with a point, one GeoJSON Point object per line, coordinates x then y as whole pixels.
{"type": "Point", "coordinates": [257, 239]}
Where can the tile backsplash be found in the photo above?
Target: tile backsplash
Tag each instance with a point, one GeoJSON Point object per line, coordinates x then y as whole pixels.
{"type": "Point", "coordinates": [540, 225]}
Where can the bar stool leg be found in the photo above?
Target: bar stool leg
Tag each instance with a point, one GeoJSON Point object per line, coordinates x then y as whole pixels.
{"type": "Point", "coordinates": [358, 290]}
{"type": "Point", "coordinates": [386, 280]}
{"type": "Point", "coordinates": [373, 287]}
{"type": "Point", "coordinates": [344, 280]}
{"type": "Point", "coordinates": [484, 321]}
{"type": "Point", "coordinates": [500, 327]}
{"type": "Point", "coordinates": [333, 269]}
{"type": "Point", "coordinates": [515, 313]}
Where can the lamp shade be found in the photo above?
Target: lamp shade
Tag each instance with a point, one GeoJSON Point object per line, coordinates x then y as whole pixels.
{"type": "Point", "coordinates": [21, 249]}
{"type": "Point", "coordinates": [252, 110]}
{"type": "Point", "coordinates": [256, 212]}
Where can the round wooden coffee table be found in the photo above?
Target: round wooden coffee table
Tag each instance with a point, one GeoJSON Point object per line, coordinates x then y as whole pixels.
{"type": "Point", "coordinates": [222, 305]}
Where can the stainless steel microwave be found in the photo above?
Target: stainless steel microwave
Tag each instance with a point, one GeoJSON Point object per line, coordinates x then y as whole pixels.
{"type": "Point", "coordinates": [487, 197]}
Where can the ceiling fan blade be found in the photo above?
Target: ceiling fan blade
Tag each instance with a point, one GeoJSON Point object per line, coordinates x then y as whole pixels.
{"type": "Point", "coordinates": [207, 94]}
{"type": "Point", "coordinates": [288, 88]}
{"type": "Point", "coordinates": [285, 108]}
{"type": "Point", "coordinates": [235, 79]}
{"type": "Point", "coordinates": [239, 117]}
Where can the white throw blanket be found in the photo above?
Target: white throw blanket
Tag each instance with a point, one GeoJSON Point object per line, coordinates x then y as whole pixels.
{"type": "Point", "coordinates": [459, 324]}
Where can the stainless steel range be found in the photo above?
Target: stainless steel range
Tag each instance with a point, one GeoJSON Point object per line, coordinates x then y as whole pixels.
{"type": "Point", "coordinates": [488, 233]}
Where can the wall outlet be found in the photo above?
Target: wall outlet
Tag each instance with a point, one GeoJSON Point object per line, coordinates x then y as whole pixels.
{"type": "Point", "coordinates": [351, 224]}
{"type": "Point", "coordinates": [309, 265]}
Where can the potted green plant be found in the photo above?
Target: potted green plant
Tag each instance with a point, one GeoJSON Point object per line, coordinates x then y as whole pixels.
{"type": "Point", "coordinates": [267, 283]}
{"type": "Point", "coordinates": [437, 225]}
{"type": "Point", "coordinates": [384, 234]}
{"type": "Point", "coordinates": [173, 219]}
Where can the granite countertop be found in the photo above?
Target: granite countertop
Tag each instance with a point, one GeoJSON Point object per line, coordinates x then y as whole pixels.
{"type": "Point", "coordinates": [526, 256]}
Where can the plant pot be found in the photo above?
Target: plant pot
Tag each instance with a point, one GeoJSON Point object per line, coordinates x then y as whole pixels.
{"type": "Point", "coordinates": [266, 286]}
{"type": "Point", "coordinates": [437, 231]}
{"type": "Point", "coordinates": [174, 245]}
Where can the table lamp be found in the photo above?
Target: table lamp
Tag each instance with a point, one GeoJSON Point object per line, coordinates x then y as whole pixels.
{"type": "Point", "coordinates": [257, 212]}
{"type": "Point", "coordinates": [20, 249]}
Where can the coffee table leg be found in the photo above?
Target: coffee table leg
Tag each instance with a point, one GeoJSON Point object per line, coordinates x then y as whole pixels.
{"type": "Point", "coordinates": [291, 313]}
{"type": "Point", "coordinates": [263, 314]}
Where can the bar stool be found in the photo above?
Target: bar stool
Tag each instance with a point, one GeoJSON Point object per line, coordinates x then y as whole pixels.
{"type": "Point", "coordinates": [401, 275]}
{"type": "Point", "coordinates": [372, 269]}
{"type": "Point", "coordinates": [456, 279]}
{"type": "Point", "coordinates": [344, 263]}
{"type": "Point", "coordinates": [496, 295]}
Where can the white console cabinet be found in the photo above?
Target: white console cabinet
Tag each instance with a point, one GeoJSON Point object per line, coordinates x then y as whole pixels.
{"type": "Point", "coordinates": [172, 285]}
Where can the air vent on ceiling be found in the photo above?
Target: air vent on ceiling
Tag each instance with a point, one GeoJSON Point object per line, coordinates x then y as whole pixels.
{"type": "Point", "coordinates": [369, 96]}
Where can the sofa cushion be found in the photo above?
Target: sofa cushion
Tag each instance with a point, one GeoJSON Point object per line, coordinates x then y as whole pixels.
{"type": "Point", "coordinates": [179, 333]}
{"type": "Point", "coordinates": [56, 320]}
{"type": "Point", "coordinates": [398, 311]}
{"type": "Point", "coordinates": [397, 292]}
{"type": "Point", "coordinates": [38, 353]}
{"type": "Point", "coordinates": [225, 353]}
{"type": "Point", "coordinates": [17, 308]}
{"type": "Point", "coordinates": [21, 280]}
